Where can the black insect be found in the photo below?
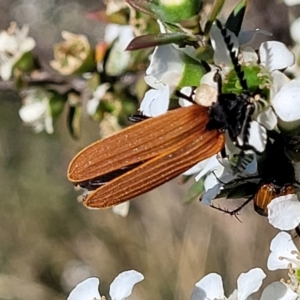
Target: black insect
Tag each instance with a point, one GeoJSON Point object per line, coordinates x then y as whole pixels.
{"type": "Point", "coordinates": [233, 112]}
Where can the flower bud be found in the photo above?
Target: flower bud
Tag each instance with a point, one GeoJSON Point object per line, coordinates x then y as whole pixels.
{"type": "Point", "coordinates": [178, 10]}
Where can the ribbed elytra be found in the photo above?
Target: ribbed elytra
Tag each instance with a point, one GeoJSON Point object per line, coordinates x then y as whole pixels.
{"type": "Point", "coordinates": [144, 156]}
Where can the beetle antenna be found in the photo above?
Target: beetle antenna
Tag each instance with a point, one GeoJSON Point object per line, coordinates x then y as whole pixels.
{"type": "Point", "coordinates": [234, 58]}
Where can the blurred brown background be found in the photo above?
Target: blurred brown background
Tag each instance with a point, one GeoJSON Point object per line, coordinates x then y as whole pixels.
{"type": "Point", "coordinates": [49, 242]}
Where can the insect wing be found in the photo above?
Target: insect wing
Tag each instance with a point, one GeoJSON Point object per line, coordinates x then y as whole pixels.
{"type": "Point", "coordinates": [137, 143]}
{"type": "Point", "coordinates": [156, 171]}
{"type": "Point", "coordinates": [145, 155]}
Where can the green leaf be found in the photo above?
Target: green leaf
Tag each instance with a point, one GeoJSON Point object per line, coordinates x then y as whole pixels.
{"type": "Point", "coordinates": [194, 191]}
{"type": "Point", "coordinates": [193, 72]}
{"type": "Point", "coordinates": [153, 40]}
{"type": "Point", "coordinates": [177, 11]}
{"type": "Point", "coordinates": [166, 10]}
{"type": "Point", "coordinates": [57, 103]}
{"type": "Point", "coordinates": [26, 63]}
{"type": "Point", "coordinates": [235, 19]}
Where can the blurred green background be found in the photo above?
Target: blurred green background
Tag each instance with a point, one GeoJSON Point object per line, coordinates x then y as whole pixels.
{"type": "Point", "coordinates": [49, 242]}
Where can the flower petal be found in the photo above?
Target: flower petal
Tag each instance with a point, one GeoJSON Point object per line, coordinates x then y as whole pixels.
{"type": "Point", "coordinates": [211, 194]}
{"type": "Point", "coordinates": [284, 212]}
{"type": "Point", "coordinates": [166, 65]}
{"type": "Point", "coordinates": [267, 118]}
{"type": "Point", "coordinates": [277, 290]}
{"type": "Point", "coordinates": [155, 102]}
{"type": "Point", "coordinates": [286, 102]}
{"type": "Point", "coordinates": [281, 255]}
{"type": "Point", "coordinates": [279, 80]}
{"type": "Point", "coordinates": [249, 55]}
{"type": "Point", "coordinates": [275, 56]}
{"type": "Point", "coordinates": [28, 44]}
{"type": "Point", "coordinates": [249, 283]}
{"type": "Point", "coordinates": [197, 168]}
{"type": "Point", "coordinates": [123, 284]}
{"type": "Point", "coordinates": [209, 287]}
{"type": "Point", "coordinates": [86, 290]}
{"type": "Point", "coordinates": [99, 93]}
{"type": "Point", "coordinates": [6, 70]}
{"type": "Point", "coordinates": [33, 112]}
{"type": "Point", "coordinates": [112, 31]}
{"type": "Point", "coordinates": [121, 209]}
{"type": "Point", "coordinates": [211, 165]}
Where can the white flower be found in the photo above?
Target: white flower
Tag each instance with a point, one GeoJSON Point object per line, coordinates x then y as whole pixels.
{"type": "Point", "coordinates": [284, 212]}
{"type": "Point", "coordinates": [273, 57]}
{"type": "Point", "coordinates": [168, 67]}
{"type": "Point", "coordinates": [285, 255]}
{"type": "Point", "coordinates": [120, 288]}
{"type": "Point", "coordinates": [92, 104]}
{"type": "Point", "coordinates": [163, 75]}
{"type": "Point", "coordinates": [210, 287]}
{"type": "Point", "coordinates": [36, 111]}
{"type": "Point", "coordinates": [156, 100]}
{"type": "Point", "coordinates": [14, 43]}
{"type": "Point", "coordinates": [118, 37]}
